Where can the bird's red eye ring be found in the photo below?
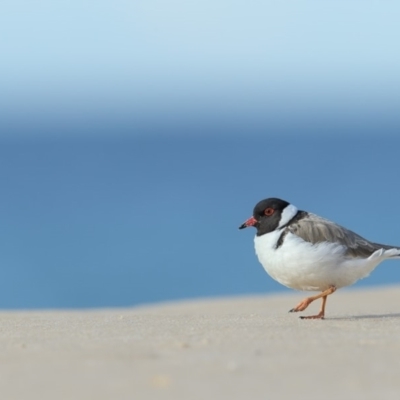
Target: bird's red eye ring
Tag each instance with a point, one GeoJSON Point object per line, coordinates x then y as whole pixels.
{"type": "Point", "coordinates": [269, 211]}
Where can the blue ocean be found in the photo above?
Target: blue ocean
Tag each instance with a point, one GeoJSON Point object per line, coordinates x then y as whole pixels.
{"type": "Point", "coordinates": [121, 220]}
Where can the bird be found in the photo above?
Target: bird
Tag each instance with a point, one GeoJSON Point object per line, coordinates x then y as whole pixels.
{"type": "Point", "coordinates": [304, 251]}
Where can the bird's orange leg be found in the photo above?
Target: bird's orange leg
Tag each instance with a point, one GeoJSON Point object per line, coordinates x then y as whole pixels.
{"type": "Point", "coordinates": [308, 300]}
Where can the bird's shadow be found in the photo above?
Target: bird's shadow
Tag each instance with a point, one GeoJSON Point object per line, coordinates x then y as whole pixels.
{"type": "Point", "coordinates": [368, 316]}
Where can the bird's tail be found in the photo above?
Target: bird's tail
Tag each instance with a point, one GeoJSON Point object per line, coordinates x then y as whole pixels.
{"type": "Point", "coordinates": [388, 253]}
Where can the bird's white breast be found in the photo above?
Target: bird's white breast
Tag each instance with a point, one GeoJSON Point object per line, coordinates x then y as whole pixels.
{"type": "Point", "coordinates": [304, 266]}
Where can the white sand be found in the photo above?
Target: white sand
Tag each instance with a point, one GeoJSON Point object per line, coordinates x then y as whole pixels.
{"type": "Point", "coordinates": [238, 348]}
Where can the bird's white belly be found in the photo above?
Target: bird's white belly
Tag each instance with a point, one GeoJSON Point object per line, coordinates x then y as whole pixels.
{"type": "Point", "coordinates": [303, 266]}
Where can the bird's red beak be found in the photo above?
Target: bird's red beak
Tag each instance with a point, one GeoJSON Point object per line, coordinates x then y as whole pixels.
{"type": "Point", "coordinates": [250, 222]}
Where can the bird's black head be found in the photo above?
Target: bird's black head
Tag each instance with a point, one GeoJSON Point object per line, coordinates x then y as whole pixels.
{"type": "Point", "coordinates": [267, 215]}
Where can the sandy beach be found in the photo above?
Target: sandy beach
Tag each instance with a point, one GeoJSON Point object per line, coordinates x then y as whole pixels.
{"type": "Point", "coordinates": [231, 348]}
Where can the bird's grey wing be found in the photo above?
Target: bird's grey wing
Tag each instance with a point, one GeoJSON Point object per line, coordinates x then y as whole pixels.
{"type": "Point", "coordinates": [315, 229]}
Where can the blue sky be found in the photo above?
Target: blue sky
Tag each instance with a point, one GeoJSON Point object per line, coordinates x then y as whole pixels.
{"type": "Point", "coordinates": [136, 136]}
{"type": "Point", "coordinates": [143, 60]}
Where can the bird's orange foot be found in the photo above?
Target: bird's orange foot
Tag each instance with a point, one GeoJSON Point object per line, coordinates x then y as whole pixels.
{"type": "Point", "coordinates": [318, 316]}
{"type": "Point", "coordinates": [302, 305]}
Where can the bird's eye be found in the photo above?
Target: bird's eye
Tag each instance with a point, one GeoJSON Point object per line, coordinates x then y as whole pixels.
{"type": "Point", "coordinates": [269, 211]}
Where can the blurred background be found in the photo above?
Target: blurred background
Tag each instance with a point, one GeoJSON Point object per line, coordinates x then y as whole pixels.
{"type": "Point", "coordinates": [136, 136]}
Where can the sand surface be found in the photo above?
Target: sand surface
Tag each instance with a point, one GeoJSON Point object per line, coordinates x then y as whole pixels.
{"type": "Point", "coordinates": [234, 348]}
